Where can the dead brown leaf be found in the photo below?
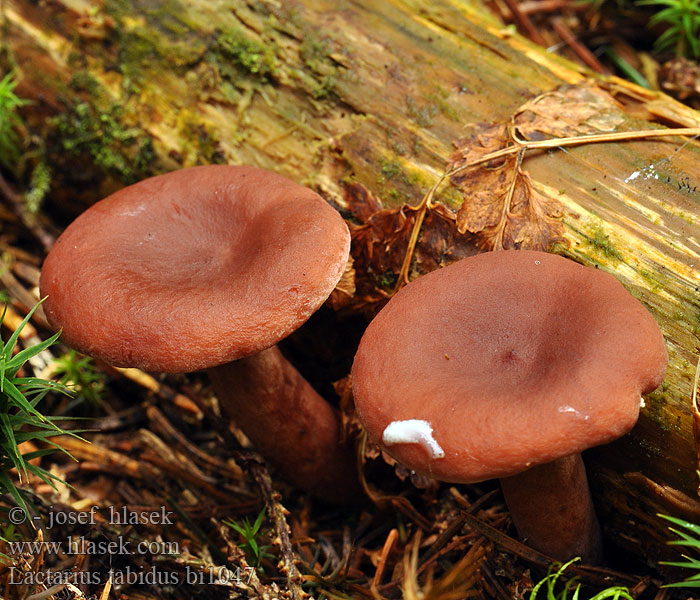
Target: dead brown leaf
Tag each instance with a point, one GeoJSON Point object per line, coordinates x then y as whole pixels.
{"type": "Point", "coordinates": [502, 207]}
{"type": "Point", "coordinates": [379, 243]}
{"type": "Point", "coordinates": [568, 111]}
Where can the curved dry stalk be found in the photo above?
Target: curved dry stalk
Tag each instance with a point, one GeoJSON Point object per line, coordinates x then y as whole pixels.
{"type": "Point", "coordinates": [509, 196]}
{"type": "Point", "coordinates": [520, 146]}
{"type": "Point", "coordinates": [421, 209]}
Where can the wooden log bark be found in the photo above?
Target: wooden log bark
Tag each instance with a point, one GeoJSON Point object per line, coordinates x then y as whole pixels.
{"type": "Point", "coordinates": [332, 93]}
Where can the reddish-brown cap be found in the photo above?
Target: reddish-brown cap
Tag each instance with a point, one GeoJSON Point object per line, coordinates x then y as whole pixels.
{"type": "Point", "coordinates": [503, 361]}
{"type": "Point", "coordinates": [194, 268]}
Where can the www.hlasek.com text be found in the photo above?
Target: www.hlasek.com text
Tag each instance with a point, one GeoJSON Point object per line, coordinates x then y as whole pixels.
{"type": "Point", "coordinates": [82, 545]}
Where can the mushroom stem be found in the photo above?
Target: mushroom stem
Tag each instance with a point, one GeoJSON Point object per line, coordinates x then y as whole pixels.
{"type": "Point", "coordinates": [552, 509]}
{"type": "Point", "coordinates": [289, 423]}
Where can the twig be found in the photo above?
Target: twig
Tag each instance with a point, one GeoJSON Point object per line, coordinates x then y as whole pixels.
{"type": "Point", "coordinates": [386, 550]}
{"type": "Point", "coordinates": [201, 482]}
{"type": "Point", "coordinates": [22, 295]}
{"type": "Point", "coordinates": [28, 219]}
{"type": "Point", "coordinates": [442, 539]}
{"type": "Point", "coordinates": [594, 575]}
{"type": "Point", "coordinates": [107, 588]}
{"type": "Point", "coordinates": [161, 390]}
{"type": "Point", "coordinates": [525, 23]}
{"type": "Point", "coordinates": [160, 422]}
{"type": "Point", "coordinates": [114, 461]}
{"type": "Point", "coordinates": [421, 209]}
{"type": "Point", "coordinates": [277, 515]}
{"type": "Point", "coordinates": [581, 51]}
{"type": "Point", "coordinates": [542, 6]}
{"type": "Point", "coordinates": [491, 579]}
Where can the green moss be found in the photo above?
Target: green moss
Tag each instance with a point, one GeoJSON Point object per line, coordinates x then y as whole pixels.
{"type": "Point", "coordinates": [386, 280]}
{"type": "Point", "coordinates": [389, 168]}
{"type": "Point", "coordinates": [105, 139]}
{"type": "Point", "coordinates": [162, 36]}
{"type": "Point", "coordinates": [83, 81]}
{"type": "Point", "coordinates": [200, 142]}
{"type": "Point", "coordinates": [417, 178]}
{"type": "Point", "coordinates": [323, 88]}
{"type": "Point", "coordinates": [601, 242]}
{"type": "Point", "coordinates": [395, 195]}
{"type": "Point", "coordinates": [39, 186]}
{"type": "Point", "coordinates": [438, 99]}
{"type": "Point", "coordinates": [137, 46]}
{"type": "Point", "coordinates": [451, 197]}
{"type": "Point", "coordinates": [314, 53]}
{"type": "Point", "coordinates": [399, 149]}
{"type": "Point", "coordinates": [423, 115]}
{"type": "Point", "coordinates": [171, 16]}
{"type": "Point", "coordinates": [246, 52]}
{"type": "Point", "coordinates": [654, 409]}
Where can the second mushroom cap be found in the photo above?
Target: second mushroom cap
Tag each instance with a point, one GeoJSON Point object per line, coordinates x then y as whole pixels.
{"type": "Point", "coordinates": [503, 361]}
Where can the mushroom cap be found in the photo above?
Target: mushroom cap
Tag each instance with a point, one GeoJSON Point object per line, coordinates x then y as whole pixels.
{"type": "Point", "coordinates": [503, 361]}
{"type": "Point", "coordinates": [194, 268]}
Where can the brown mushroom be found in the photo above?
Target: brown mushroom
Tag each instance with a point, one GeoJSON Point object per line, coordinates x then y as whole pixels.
{"type": "Point", "coordinates": [208, 268]}
{"type": "Point", "coordinates": [509, 364]}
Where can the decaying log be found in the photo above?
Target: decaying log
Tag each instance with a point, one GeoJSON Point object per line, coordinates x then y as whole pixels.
{"type": "Point", "coordinates": [374, 96]}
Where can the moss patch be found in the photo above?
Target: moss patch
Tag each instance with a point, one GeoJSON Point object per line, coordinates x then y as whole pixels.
{"type": "Point", "coordinates": [601, 242]}
{"type": "Point", "coordinates": [246, 52]}
{"type": "Point", "coordinates": [103, 136]}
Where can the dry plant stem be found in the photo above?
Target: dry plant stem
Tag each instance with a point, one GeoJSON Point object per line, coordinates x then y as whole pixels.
{"type": "Point", "coordinates": [277, 514]}
{"type": "Point", "coordinates": [519, 147]}
{"type": "Point", "coordinates": [421, 209]}
{"type": "Point", "coordinates": [524, 21]}
{"type": "Point", "coordinates": [581, 51]}
{"type": "Point", "coordinates": [29, 220]}
{"type": "Point", "coordinates": [288, 423]}
{"type": "Point", "coordinates": [552, 510]}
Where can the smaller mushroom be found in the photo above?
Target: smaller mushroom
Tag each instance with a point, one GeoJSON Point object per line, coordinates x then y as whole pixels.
{"type": "Point", "coordinates": [508, 365]}
{"type": "Point", "coordinates": [208, 268]}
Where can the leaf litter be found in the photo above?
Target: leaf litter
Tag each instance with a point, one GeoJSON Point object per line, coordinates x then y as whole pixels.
{"type": "Point", "coordinates": [502, 207]}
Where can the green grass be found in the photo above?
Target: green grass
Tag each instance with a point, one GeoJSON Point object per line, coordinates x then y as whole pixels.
{"type": "Point", "coordinates": [10, 122]}
{"type": "Point", "coordinates": [81, 376]}
{"type": "Point", "coordinates": [572, 588]}
{"type": "Point", "coordinates": [681, 33]}
{"type": "Point", "coordinates": [689, 537]}
{"type": "Point", "coordinates": [250, 533]}
{"type": "Point", "coordinates": [20, 421]}
{"type": "Point", "coordinates": [682, 18]}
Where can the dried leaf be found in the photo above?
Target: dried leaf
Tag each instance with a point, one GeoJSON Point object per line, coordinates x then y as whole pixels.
{"type": "Point", "coordinates": [568, 111]}
{"type": "Point", "coordinates": [379, 244]}
{"type": "Point", "coordinates": [484, 140]}
{"type": "Point", "coordinates": [501, 205]}
{"type": "Point", "coordinates": [378, 248]}
{"type": "Point", "coordinates": [505, 210]}
{"type": "Point", "coordinates": [441, 243]}
{"type": "Point", "coordinates": [533, 216]}
{"type": "Point", "coordinates": [361, 202]}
